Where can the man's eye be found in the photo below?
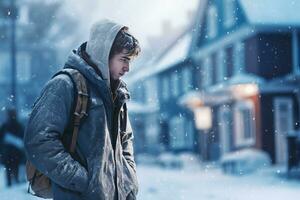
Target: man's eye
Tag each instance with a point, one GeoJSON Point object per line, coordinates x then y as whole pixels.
{"type": "Point", "coordinates": [124, 60]}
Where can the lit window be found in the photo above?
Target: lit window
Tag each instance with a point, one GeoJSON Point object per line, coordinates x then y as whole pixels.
{"type": "Point", "coordinates": [229, 13]}
{"type": "Point", "coordinates": [212, 21]}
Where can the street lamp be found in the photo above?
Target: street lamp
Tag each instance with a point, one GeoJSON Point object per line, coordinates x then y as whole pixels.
{"type": "Point", "coordinates": [12, 13]}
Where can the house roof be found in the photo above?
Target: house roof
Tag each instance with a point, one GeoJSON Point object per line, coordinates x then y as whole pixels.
{"type": "Point", "coordinates": [272, 12]}
{"type": "Point", "coordinates": [176, 53]}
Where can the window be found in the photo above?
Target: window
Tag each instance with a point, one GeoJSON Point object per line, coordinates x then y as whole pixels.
{"type": "Point", "coordinates": [24, 14]}
{"type": "Point", "coordinates": [229, 62]}
{"type": "Point", "coordinates": [284, 125]}
{"type": "Point", "coordinates": [295, 45]}
{"type": "Point", "coordinates": [229, 13]}
{"type": "Point", "coordinates": [189, 133]}
{"type": "Point", "coordinates": [165, 88]}
{"type": "Point", "coordinates": [244, 123]}
{"type": "Point", "coordinates": [207, 72]}
{"type": "Point", "coordinates": [275, 54]}
{"type": "Point", "coordinates": [239, 58]}
{"type": "Point", "coordinates": [186, 79]}
{"type": "Point", "coordinates": [297, 51]}
{"type": "Point", "coordinates": [284, 115]}
{"type": "Point", "coordinates": [139, 92]}
{"type": "Point", "coordinates": [4, 67]}
{"type": "Point", "coordinates": [4, 30]}
{"type": "Point", "coordinates": [214, 69]}
{"type": "Point", "coordinates": [151, 91]}
{"type": "Point", "coordinates": [23, 67]}
{"type": "Point", "coordinates": [225, 128]}
{"type": "Point", "coordinates": [221, 61]}
{"type": "Point", "coordinates": [212, 21]}
{"type": "Point", "coordinates": [175, 83]}
{"type": "Point", "coordinates": [177, 132]}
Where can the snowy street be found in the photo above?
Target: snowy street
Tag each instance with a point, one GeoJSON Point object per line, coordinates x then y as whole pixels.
{"type": "Point", "coordinates": [209, 183]}
{"type": "Point", "coordinates": [193, 183]}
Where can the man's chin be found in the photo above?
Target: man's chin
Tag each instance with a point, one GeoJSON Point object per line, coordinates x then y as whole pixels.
{"type": "Point", "coordinates": [116, 78]}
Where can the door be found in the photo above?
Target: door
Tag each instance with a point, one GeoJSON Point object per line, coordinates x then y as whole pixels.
{"type": "Point", "coordinates": [283, 125]}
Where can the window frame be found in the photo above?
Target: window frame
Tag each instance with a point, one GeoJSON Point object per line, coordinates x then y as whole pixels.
{"type": "Point", "coordinates": [240, 127]}
{"type": "Point", "coordinates": [212, 22]}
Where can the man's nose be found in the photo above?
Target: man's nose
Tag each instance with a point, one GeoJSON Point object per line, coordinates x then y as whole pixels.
{"type": "Point", "coordinates": [126, 68]}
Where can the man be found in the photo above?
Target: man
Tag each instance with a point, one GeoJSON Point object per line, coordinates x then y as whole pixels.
{"type": "Point", "coordinates": [12, 151]}
{"type": "Point", "coordinates": [105, 168]}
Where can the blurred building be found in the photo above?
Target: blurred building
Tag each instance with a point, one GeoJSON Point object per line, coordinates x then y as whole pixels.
{"type": "Point", "coordinates": [162, 124]}
{"type": "Point", "coordinates": [35, 61]}
{"type": "Point", "coordinates": [238, 80]}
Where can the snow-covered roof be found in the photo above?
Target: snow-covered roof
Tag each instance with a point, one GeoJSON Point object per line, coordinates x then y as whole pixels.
{"type": "Point", "coordinates": [272, 12]}
{"type": "Point", "coordinates": [177, 53]}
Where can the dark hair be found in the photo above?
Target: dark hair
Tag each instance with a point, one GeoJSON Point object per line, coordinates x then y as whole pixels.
{"type": "Point", "coordinates": [125, 41]}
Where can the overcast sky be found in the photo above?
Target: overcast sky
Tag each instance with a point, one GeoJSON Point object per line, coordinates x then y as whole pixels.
{"type": "Point", "coordinates": [144, 17]}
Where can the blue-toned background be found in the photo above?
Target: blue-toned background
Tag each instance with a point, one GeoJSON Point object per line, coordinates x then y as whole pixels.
{"type": "Point", "coordinates": [215, 93]}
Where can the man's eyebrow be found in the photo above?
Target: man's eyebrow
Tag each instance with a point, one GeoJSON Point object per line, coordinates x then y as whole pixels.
{"type": "Point", "coordinates": [126, 57]}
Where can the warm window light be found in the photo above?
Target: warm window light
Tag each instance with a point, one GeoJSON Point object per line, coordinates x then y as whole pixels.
{"type": "Point", "coordinates": [194, 102]}
{"type": "Point", "coordinates": [244, 90]}
{"type": "Point", "coordinates": [203, 118]}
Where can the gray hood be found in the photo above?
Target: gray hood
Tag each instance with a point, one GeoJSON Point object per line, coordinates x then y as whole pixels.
{"type": "Point", "coordinates": [100, 41]}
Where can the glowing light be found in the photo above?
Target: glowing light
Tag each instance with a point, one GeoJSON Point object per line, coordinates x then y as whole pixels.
{"type": "Point", "coordinates": [244, 90]}
{"type": "Point", "coordinates": [203, 118]}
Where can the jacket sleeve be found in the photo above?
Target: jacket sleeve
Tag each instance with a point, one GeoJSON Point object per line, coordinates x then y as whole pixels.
{"type": "Point", "coordinates": [127, 145]}
{"type": "Point", "coordinates": [42, 139]}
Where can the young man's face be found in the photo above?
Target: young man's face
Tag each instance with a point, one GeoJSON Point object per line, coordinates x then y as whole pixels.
{"type": "Point", "coordinates": [119, 65]}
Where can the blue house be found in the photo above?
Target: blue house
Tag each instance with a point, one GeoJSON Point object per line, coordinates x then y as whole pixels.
{"type": "Point", "coordinates": [161, 124]}
{"type": "Point", "coordinates": [246, 55]}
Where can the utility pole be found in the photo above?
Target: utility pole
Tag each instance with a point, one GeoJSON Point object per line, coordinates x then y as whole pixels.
{"type": "Point", "coordinates": [12, 13]}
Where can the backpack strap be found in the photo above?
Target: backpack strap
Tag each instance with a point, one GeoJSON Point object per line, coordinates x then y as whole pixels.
{"type": "Point", "coordinates": [81, 106]}
{"type": "Point", "coordinates": [81, 101]}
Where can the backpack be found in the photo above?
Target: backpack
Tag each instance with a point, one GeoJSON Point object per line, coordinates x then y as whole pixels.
{"type": "Point", "coordinates": [40, 184]}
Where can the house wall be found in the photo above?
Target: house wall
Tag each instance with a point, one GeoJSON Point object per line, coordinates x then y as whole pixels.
{"type": "Point", "coordinates": [222, 29]}
{"type": "Point", "coordinates": [274, 54]}
{"type": "Point", "coordinates": [268, 123]}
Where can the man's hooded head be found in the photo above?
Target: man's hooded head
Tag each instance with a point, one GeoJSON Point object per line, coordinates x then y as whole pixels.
{"type": "Point", "coordinates": [108, 39]}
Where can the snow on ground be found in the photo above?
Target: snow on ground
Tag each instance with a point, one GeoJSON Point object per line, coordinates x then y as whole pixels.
{"type": "Point", "coordinates": [210, 183]}
{"type": "Point", "coordinates": [195, 183]}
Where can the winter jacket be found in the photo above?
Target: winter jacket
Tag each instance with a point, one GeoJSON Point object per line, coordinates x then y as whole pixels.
{"type": "Point", "coordinates": [104, 166]}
